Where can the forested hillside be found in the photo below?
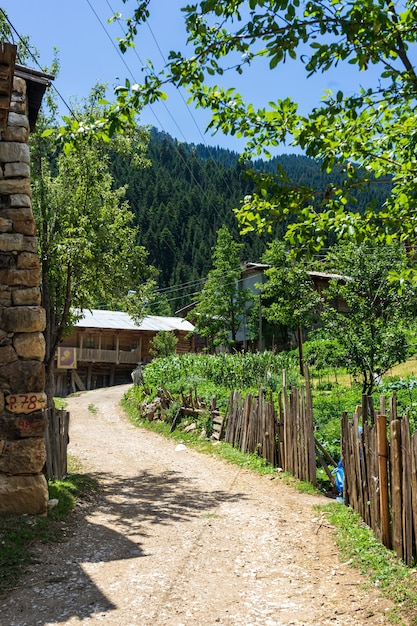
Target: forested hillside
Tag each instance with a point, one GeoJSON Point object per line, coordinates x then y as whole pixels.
{"type": "Point", "coordinates": [186, 195]}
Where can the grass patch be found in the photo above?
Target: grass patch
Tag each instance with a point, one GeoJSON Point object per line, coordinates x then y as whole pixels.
{"type": "Point", "coordinates": [19, 534]}
{"type": "Point", "coordinates": [383, 568]}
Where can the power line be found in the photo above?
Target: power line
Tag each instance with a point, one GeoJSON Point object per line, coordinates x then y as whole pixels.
{"type": "Point", "coordinates": [164, 105]}
{"type": "Point", "coordinates": [179, 93]}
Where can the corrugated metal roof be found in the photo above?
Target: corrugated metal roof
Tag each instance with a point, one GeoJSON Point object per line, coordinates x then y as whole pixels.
{"type": "Point", "coordinates": [118, 320]}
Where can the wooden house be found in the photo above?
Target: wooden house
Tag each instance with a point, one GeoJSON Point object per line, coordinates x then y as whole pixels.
{"type": "Point", "coordinates": [105, 347]}
{"type": "Point", "coordinates": [269, 336]}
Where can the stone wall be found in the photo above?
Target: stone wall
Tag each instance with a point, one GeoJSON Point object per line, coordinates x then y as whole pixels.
{"type": "Point", "coordinates": [23, 488]}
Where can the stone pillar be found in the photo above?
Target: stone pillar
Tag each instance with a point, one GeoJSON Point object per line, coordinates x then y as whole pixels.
{"type": "Point", "coordinates": [23, 487]}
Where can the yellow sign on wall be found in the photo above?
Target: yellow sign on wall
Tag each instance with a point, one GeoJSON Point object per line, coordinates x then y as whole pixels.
{"type": "Point", "coordinates": [67, 358]}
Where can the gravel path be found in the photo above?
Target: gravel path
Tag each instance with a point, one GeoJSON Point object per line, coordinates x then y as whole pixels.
{"type": "Point", "coordinates": [181, 539]}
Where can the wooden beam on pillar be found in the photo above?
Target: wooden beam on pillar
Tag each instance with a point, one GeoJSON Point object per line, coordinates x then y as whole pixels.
{"type": "Point", "coordinates": [8, 53]}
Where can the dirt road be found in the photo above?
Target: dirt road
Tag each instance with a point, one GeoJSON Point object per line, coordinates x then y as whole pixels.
{"type": "Point", "coordinates": [181, 539]}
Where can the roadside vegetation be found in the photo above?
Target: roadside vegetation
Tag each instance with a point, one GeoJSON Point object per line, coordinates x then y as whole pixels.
{"type": "Point", "coordinates": [20, 535]}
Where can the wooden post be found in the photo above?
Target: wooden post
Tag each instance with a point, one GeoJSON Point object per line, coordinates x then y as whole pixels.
{"type": "Point", "coordinates": [346, 459]}
{"type": "Point", "coordinates": [381, 429]}
{"type": "Point", "coordinates": [382, 405]}
{"type": "Point", "coordinates": [393, 406]}
{"type": "Point", "coordinates": [407, 508]}
{"type": "Point", "coordinates": [309, 435]}
{"type": "Point", "coordinates": [396, 488]}
{"type": "Point", "coordinates": [300, 349]}
{"type": "Point", "coordinates": [414, 480]}
{"type": "Point", "coordinates": [117, 348]}
{"type": "Point", "coordinates": [89, 373]}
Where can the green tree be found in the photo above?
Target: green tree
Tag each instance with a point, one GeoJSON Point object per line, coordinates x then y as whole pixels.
{"type": "Point", "coordinates": [288, 296]}
{"type": "Point", "coordinates": [163, 344]}
{"type": "Point", "coordinates": [222, 305]}
{"type": "Point", "coordinates": [373, 331]}
{"type": "Point", "coordinates": [86, 236]}
{"type": "Point", "coordinates": [369, 136]}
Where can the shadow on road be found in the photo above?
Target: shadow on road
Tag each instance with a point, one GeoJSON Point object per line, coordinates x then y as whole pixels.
{"type": "Point", "coordinates": [113, 528]}
{"type": "Point", "coordinates": [157, 498]}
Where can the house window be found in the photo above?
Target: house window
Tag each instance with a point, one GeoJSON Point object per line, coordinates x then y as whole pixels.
{"type": "Point", "coordinates": [133, 345]}
{"type": "Point", "coordinates": [89, 342]}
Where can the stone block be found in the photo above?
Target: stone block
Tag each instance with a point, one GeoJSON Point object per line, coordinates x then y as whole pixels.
{"type": "Point", "coordinates": [25, 227]}
{"type": "Point", "coordinates": [6, 297]}
{"type": "Point", "coordinates": [22, 376]}
{"type": "Point", "coordinates": [16, 242]}
{"type": "Point", "coordinates": [15, 214]}
{"type": "Point", "coordinates": [17, 120]}
{"type": "Point", "coordinates": [28, 260]}
{"type": "Point", "coordinates": [29, 346]}
{"type": "Point", "coordinates": [23, 495]}
{"type": "Point", "coordinates": [14, 170]}
{"type": "Point", "coordinates": [5, 225]}
{"type": "Point", "coordinates": [20, 278]}
{"type": "Point", "coordinates": [6, 339]}
{"type": "Point", "coordinates": [18, 133]}
{"type": "Point", "coordinates": [10, 186]}
{"type": "Point", "coordinates": [12, 152]}
{"type": "Point", "coordinates": [7, 354]}
{"type": "Point", "coordinates": [24, 456]}
{"type": "Point", "coordinates": [21, 426]}
{"type": "Point", "coordinates": [7, 261]}
{"type": "Point", "coordinates": [19, 88]}
{"type": "Point", "coordinates": [20, 200]}
{"type": "Point", "coordinates": [11, 242]}
{"type": "Point", "coordinates": [25, 297]}
{"type": "Point", "coordinates": [21, 319]}
{"type": "Point", "coordinates": [18, 105]}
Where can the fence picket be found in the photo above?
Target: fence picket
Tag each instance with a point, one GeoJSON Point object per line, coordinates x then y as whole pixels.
{"type": "Point", "coordinates": [396, 487]}
{"type": "Point", "coordinates": [407, 509]}
{"type": "Point", "coordinates": [381, 425]}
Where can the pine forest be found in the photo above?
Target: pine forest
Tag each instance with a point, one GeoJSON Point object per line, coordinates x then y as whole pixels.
{"type": "Point", "coordinates": [187, 193]}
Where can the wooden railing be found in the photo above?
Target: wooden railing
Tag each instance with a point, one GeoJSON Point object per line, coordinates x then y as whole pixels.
{"type": "Point", "coordinates": [91, 355]}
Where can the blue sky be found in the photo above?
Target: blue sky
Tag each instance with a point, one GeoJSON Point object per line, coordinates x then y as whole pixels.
{"type": "Point", "coordinates": [88, 54]}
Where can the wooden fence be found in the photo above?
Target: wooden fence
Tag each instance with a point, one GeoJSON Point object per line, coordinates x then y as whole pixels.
{"type": "Point", "coordinates": [379, 458]}
{"type": "Point", "coordinates": [296, 413]}
{"type": "Point", "coordinates": [380, 465]}
{"type": "Point", "coordinates": [56, 441]}
{"type": "Point", "coordinates": [252, 425]}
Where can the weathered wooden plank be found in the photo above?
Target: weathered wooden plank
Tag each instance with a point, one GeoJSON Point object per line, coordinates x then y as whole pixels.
{"type": "Point", "coordinates": [396, 487]}
{"type": "Point", "coordinates": [346, 458]}
{"type": "Point", "coordinates": [382, 443]}
{"type": "Point", "coordinates": [414, 483]}
{"type": "Point", "coordinates": [407, 509]}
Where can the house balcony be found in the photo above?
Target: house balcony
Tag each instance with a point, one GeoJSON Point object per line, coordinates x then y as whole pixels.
{"type": "Point", "coordinates": [91, 355]}
{"type": "Point", "coordinates": [116, 357]}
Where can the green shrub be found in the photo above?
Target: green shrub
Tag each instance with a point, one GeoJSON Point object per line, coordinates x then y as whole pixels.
{"type": "Point", "coordinates": [163, 344]}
